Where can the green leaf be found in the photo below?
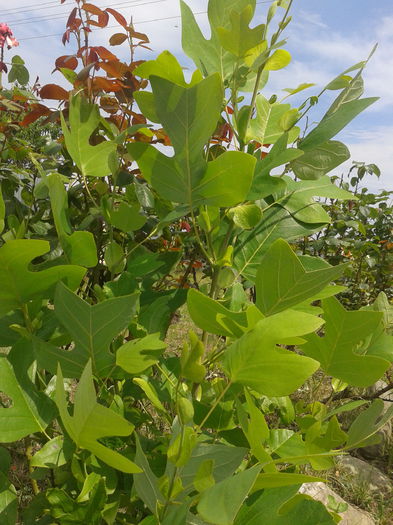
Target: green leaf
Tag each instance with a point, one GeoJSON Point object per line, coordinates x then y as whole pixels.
{"type": "Point", "coordinates": [267, 126]}
{"type": "Point", "coordinates": [30, 411]}
{"type": "Point", "coordinates": [114, 257]}
{"type": "Point", "coordinates": [92, 329]}
{"type": "Point", "coordinates": [226, 460]}
{"type": "Point", "coordinates": [300, 203]}
{"type": "Point", "coordinates": [255, 361]}
{"type": "Point", "coordinates": [282, 281]}
{"type": "Point", "coordinates": [256, 431]}
{"type": "Point", "coordinates": [157, 309]}
{"type": "Point", "coordinates": [337, 350]}
{"type": "Point", "coordinates": [279, 59]}
{"type": "Point", "coordinates": [221, 185]}
{"type": "Point", "coordinates": [8, 502]}
{"type": "Point", "coordinates": [240, 38]}
{"type": "Point", "coordinates": [191, 359]}
{"type": "Point", "coordinates": [298, 89]}
{"type": "Point", "coordinates": [274, 506]}
{"type": "Point", "coordinates": [91, 421]}
{"type": "Point", "coordinates": [181, 446]}
{"type": "Point", "coordinates": [19, 283]}
{"type": "Point", "coordinates": [282, 479]}
{"type": "Point", "coordinates": [2, 211]}
{"type": "Point", "coordinates": [213, 317]}
{"type": "Point", "coordinates": [276, 223]}
{"type": "Point", "coordinates": [189, 116]}
{"type": "Point", "coordinates": [246, 216]}
{"type": "Point", "coordinates": [368, 423]}
{"type": "Point", "coordinates": [146, 483]}
{"type": "Point", "coordinates": [79, 247]}
{"type": "Point", "coordinates": [209, 55]}
{"type": "Point", "coordinates": [55, 453]}
{"type": "Point", "coordinates": [139, 354]}
{"type": "Point", "coordinates": [204, 477]}
{"type": "Point", "coordinates": [221, 503]}
{"type": "Point", "coordinates": [127, 218]}
{"type": "Point", "coordinates": [165, 66]}
{"type": "Point", "coordinates": [320, 160]}
{"type": "Point", "coordinates": [84, 118]}
{"type": "Point", "coordinates": [150, 392]}
{"type": "Point", "coordinates": [334, 123]}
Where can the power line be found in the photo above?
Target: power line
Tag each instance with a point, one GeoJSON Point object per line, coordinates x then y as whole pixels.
{"type": "Point", "coordinates": [65, 14]}
{"type": "Point", "coordinates": [135, 23]}
{"type": "Point", "coordinates": [33, 8]}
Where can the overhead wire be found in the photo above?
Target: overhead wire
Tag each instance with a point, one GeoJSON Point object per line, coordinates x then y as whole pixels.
{"type": "Point", "coordinates": [65, 14]}
{"type": "Point", "coordinates": [21, 9]}
{"type": "Point", "coordinates": [136, 22]}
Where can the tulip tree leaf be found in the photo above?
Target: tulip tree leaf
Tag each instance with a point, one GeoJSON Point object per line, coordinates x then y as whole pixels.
{"type": "Point", "coordinates": [368, 423]}
{"type": "Point", "coordinates": [209, 55]}
{"type": "Point", "coordinates": [221, 503]}
{"type": "Point", "coordinates": [337, 350]}
{"type": "Point", "coordinates": [283, 282]}
{"type": "Point", "coordinates": [29, 411]}
{"type": "Point", "coordinates": [301, 204]}
{"type": "Point", "coordinates": [165, 66]}
{"type": "Point", "coordinates": [79, 247]}
{"type": "Point", "coordinates": [256, 361]}
{"type": "Point", "coordinates": [19, 283]}
{"type": "Point", "coordinates": [191, 359]}
{"type": "Point", "coordinates": [276, 223]}
{"type": "Point", "coordinates": [93, 161]}
{"type": "Point", "coordinates": [213, 317]}
{"type": "Point", "coordinates": [240, 38]}
{"type": "Point", "coordinates": [283, 506]}
{"type": "Point", "coordinates": [189, 115]}
{"type": "Point", "coordinates": [92, 328]}
{"type": "Point", "coordinates": [317, 162]}
{"type": "Point", "coordinates": [91, 421]}
{"type": "Point", "coordinates": [137, 355]}
{"type": "Point", "coordinates": [2, 211]}
{"type": "Point", "coordinates": [8, 502]}
{"type": "Point", "coordinates": [268, 125]}
{"type": "Point", "coordinates": [146, 483]}
{"type": "Point", "coordinates": [127, 218]}
{"type": "Point", "coordinates": [335, 122]}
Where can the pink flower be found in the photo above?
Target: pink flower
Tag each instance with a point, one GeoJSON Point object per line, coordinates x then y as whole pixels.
{"type": "Point", "coordinates": [7, 37]}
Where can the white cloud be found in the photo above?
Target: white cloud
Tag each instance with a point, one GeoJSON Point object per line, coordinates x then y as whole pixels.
{"type": "Point", "coordinates": [331, 52]}
{"type": "Point", "coordinates": [373, 146]}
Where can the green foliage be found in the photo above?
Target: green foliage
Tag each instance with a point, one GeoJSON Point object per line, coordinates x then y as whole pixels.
{"type": "Point", "coordinates": [188, 206]}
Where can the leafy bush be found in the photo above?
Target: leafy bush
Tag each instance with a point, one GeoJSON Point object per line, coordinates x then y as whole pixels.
{"type": "Point", "coordinates": [108, 229]}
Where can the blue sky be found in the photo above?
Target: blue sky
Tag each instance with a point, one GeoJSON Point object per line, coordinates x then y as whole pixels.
{"type": "Point", "coordinates": [325, 37]}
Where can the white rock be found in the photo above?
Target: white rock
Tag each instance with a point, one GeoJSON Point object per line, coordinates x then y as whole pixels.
{"type": "Point", "coordinates": [363, 473]}
{"type": "Point", "coordinates": [352, 516]}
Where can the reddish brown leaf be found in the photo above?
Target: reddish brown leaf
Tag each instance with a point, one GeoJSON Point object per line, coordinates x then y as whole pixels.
{"type": "Point", "coordinates": [93, 9]}
{"type": "Point", "coordinates": [53, 92]}
{"type": "Point", "coordinates": [113, 68]}
{"type": "Point", "coordinates": [74, 26]}
{"type": "Point", "coordinates": [102, 20]}
{"type": "Point", "coordinates": [72, 17]}
{"type": "Point", "coordinates": [109, 104]}
{"type": "Point", "coordinates": [106, 84]}
{"type": "Point", "coordinates": [66, 37]}
{"type": "Point", "coordinates": [38, 110]}
{"type": "Point", "coordinates": [138, 36]}
{"type": "Point", "coordinates": [117, 39]}
{"type": "Point", "coordinates": [68, 61]}
{"type": "Point", "coordinates": [105, 54]}
{"type": "Point", "coordinates": [117, 16]}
